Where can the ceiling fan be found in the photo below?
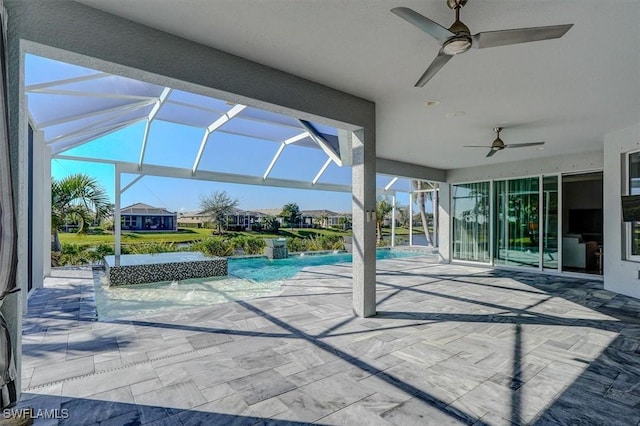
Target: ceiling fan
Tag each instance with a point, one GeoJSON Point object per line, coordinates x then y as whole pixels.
{"type": "Point", "coordinates": [499, 145]}
{"type": "Point", "coordinates": [457, 39]}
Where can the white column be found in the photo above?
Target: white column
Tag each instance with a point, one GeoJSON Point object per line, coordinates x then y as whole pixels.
{"type": "Point", "coordinates": [39, 230]}
{"type": "Point", "coordinates": [410, 218]}
{"type": "Point", "coordinates": [46, 239]}
{"type": "Point", "coordinates": [364, 224]}
{"type": "Point", "coordinates": [436, 207]}
{"type": "Point", "coordinates": [444, 223]}
{"type": "Point", "coordinates": [393, 220]}
{"type": "Point", "coordinates": [117, 228]}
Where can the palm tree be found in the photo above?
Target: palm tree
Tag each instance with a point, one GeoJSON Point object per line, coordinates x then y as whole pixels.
{"type": "Point", "coordinates": [383, 207]}
{"type": "Point", "coordinates": [77, 198]}
{"type": "Point", "coordinates": [420, 186]}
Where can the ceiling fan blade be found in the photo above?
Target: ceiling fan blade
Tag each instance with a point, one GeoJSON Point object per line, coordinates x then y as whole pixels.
{"type": "Point", "coordinates": [522, 145]}
{"type": "Point", "coordinates": [435, 30]}
{"type": "Point", "coordinates": [476, 146]}
{"type": "Point", "coordinates": [435, 66]}
{"type": "Point", "coordinates": [493, 151]}
{"type": "Point", "coordinates": [518, 35]}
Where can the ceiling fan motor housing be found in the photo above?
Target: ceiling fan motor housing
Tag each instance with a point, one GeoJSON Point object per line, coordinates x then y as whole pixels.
{"type": "Point", "coordinates": [456, 3]}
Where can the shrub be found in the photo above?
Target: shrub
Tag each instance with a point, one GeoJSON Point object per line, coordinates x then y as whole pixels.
{"type": "Point", "coordinates": [248, 244]}
{"type": "Point", "coordinates": [254, 245]}
{"type": "Point", "coordinates": [331, 242]}
{"type": "Point", "coordinates": [73, 254]}
{"type": "Point", "coordinates": [214, 246]}
{"type": "Point", "coordinates": [152, 248]}
{"type": "Point", "coordinates": [297, 244]}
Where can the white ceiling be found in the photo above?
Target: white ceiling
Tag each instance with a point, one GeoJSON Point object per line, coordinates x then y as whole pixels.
{"type": "Point", "coordinates": [568, 92]}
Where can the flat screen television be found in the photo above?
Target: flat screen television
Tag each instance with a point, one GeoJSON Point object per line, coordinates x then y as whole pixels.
{"type": "Point", "coordinates": [631, 208]}
{"type": "Point", "coordinates": [585, 221]}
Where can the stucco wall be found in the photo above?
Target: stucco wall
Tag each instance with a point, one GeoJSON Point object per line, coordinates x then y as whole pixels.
{"type": "Point", "coordinates": [620, 275]}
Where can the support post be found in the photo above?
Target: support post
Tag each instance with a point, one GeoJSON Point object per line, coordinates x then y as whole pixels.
{"type": "Point", "coordinates": [436, 214]}
{"type": "Point", "coordinates": [393, 220]}
{"type": "Point", "coordinates": [410, 218]}
{"type": "Point", "coordinates": [117, 227]}
{"type": "Point", "coordinates": [444, 223]}
{"type": "Point", "coordinates": [39, 200]}
{"type": "Point", "coordinates": [364, 224]}
{"type": "Point", "coordinates": [46, 254]}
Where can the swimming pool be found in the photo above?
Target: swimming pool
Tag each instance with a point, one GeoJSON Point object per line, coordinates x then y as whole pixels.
{"type": "Point", "coordinates": [261, 269]}
{"type": "Point", "coordinates": [248, 278]}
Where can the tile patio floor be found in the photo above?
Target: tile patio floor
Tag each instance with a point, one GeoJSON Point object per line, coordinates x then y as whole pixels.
{"type": "Point", "coordinates": [450, 345]}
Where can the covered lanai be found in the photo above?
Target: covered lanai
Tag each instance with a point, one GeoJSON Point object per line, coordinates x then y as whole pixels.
{"type": "Point", "coordinates": [144, 129]}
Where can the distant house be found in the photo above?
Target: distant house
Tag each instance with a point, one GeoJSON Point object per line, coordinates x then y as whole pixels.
{"type": "Point", "coordinates": [193, 219]}
{"type": "Point", "coordinates": [244, 218]}
{"type": "Point", "coordinates": [323, 218]}
{"type": "Point", "coordinates": [238, 219]}
{"type": "Point", "coordinates": [143, 217]}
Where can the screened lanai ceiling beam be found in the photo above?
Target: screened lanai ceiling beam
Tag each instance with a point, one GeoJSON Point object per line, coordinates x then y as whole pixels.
{"type": "Point", "coordinates": [290, 141]}
{"type": "Point", "coordinates": [65, 81]}
{"type": "Point", "coordinates": [237, 109]}
{"type": "Point", "coordinates": [297, 138]}
{"type": "Point", "coordinates": [89, 130]}
{"type": "Point", "coordinates": [100, 95]}
{"type": "Point", "coordinates": [96, 125]}
{"type": "Point", "coordinates": [152, 115]}
{"type": "Point", "coordinates": [244, 117]}
{"type": "Point", "coordinates": [321, 171]}
{"type": "Point", "coordinates": [130, 184]}
{"type": "Point", "coordinates": [120, 108]}
{"type": "Point", "coordinates": [390, 184]}
{"type": "Point", "coordinates": [205, 175]}
{"type": "Point", "coordinates": [273, 160]}
{"type": "Point", "coordinates": [59, 147]}
{"type": "Point", "coordinates": [322, 142]}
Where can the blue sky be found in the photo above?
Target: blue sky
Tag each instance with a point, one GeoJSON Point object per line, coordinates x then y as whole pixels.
{"type": "Point", "coordinates": [177, 145]}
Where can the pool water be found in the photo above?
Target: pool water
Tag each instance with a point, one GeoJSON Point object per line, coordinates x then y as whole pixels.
{"type": "Point", "coordinates": [248, 278]}
{"type": "Point", "coordinates": [262, 269]}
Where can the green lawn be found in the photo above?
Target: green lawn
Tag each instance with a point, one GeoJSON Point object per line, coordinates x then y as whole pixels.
{"type": "Point", "coordinates": [186, 235]}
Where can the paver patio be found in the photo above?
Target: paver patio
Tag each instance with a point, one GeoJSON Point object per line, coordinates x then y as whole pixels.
{"type": "Point", "coordinates": [450, 345]}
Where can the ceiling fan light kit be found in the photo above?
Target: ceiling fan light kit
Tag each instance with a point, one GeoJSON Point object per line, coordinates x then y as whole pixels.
{"type": "Point", "coordinates": [457, 39]}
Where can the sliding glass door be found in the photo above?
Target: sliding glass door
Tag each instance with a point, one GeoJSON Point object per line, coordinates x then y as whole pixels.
{"type": "Point", "coordinates": [550, 222]}
{"type": "Point", "coordinates": [470, 207]}
{"type": "Point", "coordinates": [516, 222]}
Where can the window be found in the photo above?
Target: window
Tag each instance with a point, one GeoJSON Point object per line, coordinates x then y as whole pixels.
{"type": "Point", "coordinates": [516, 222]}
{"type": "Point", "coordinates": [470, 203]}
{"type": "Point", "coordinates": [634, 189]}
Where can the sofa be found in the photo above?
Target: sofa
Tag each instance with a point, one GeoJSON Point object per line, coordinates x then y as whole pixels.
{"type": "Point", "coordinates": [577, 253]}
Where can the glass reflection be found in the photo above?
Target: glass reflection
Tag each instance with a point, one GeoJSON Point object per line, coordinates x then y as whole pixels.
{"type": "Point", "coordinates": [516, 222]}
{"type": "Point", "coordinates": [470, 206]}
